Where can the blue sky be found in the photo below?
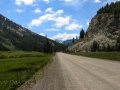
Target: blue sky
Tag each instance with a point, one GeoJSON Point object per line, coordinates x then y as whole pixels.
{"type": "Point", "coordinates": [59, 19]}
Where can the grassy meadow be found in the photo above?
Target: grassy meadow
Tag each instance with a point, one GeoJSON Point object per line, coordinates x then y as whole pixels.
{"type": "Point", "coordinates": [102, 55]}
{"type": "Point", "coordinates": [17, 67]}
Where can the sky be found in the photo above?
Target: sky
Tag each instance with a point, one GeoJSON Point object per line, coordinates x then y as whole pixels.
{"type": "Point", "coordinates": [58, 19]}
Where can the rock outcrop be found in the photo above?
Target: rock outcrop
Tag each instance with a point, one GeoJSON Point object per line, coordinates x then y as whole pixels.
{"type": "Point", "coordinates": [103, 28]}
{"type": "Point", "coordinates": [106, 24]}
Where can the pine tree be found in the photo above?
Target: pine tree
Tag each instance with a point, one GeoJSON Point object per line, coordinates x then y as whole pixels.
{"type": "Point", "coordinates": [95, 46]}
{"type": "Point", "coordinates": [55, 46]}
{"type": "Point", "coordinates": [108, 48]}
{"type": "Point", "coordinates": [82, 33]}
{"type": "Point", "coordinates": [103, 48]}
{"type": "Point", "coordinates": [73, 41]}
{"type": "Point", "coordinates": [118, 44]}
{"type": "Point", "coordinates": [113, 8]}
{"type": "Point", "coordinates": [47, 48]}
{"type": "Point", "coordinates": [35, 46]}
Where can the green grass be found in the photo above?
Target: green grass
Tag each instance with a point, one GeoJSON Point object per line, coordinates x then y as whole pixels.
{"type": "Point", "coordinates": [102, 55]}
{"type": "Point", "coordinates": [17, 67]}
{"type": "Point", "coordinates": [19, 54]}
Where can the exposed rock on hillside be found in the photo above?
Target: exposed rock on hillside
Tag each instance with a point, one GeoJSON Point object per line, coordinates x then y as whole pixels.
{"type": "Point", "coordinates": [106, 24]}
{"type": "Point", "coordinates": [104, 29]}
{"type": "Point", "coordinates": [85, 46]}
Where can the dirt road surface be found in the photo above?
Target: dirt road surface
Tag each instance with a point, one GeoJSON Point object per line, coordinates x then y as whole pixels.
{"type": "Point", "coordinates": [70, 72]}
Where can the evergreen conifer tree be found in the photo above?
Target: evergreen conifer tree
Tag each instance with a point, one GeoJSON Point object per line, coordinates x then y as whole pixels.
{"type": "Point", "coordinates": [82, 33]}
{"type": "Point", "coordinates": [73, 41]}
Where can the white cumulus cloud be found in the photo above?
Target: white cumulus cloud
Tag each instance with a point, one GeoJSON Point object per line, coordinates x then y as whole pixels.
{"type": "Point", "coordinates": [47, 17]}
{"type": "Point", "coordinates": [18, 10]}
{"type": "Point", "coordinates": [68, 0]}
{"type": "Point", "coordinates": [52, 29]}
{"type": "Point", "coordinates": [64, 36]}
{"type": "Point", "coordinates": [37, 10]}
{"type": "Point", "coordinates": [61, 21]}
{"type": "Point", "coordinates": [59, 12]}
{"type": "Point", "coordinates": [35, 22]}
{"type": "Point", "coordinates": [73, 26]}
{"type": "Point", "coordinates": [42, 34]}
{"type": "Point", "coordinates": [88, 23]}
{"type": "Point", "coordinates": [55, 16]}
{"type": "Point", "coordinates": [47, 1]}
{"type": "Point", "coordinates": [97, 1]}
{"type": "Point", "coordinates": [26, 2]}
{"type": "Point", "coordinates": [49, 10]}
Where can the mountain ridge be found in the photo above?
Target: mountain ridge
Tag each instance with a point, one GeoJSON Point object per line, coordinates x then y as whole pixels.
{"type": "Point", "coordinates": [15, 37]}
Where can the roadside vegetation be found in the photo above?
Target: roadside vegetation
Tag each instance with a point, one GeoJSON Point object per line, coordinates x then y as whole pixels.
{"type": "Point", "coordinates": [115, 56]}
{"type": "Point", "coordinates": [17, 67]}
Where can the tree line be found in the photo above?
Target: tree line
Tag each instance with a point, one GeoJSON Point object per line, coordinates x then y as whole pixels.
{"type": "Point", "coordinates": [113, 8]}
{"type": "Point", "coordinates": [49, 46]}
{"type": "Point", "coordinates": [109, 48]}
{"type": "Point", "coordinates": [81, 36]}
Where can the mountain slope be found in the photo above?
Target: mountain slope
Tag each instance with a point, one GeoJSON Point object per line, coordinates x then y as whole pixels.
{"type": "Point", "coordinates": [16, 37]}
{"type": "Point", "coordinates": [104, 28]}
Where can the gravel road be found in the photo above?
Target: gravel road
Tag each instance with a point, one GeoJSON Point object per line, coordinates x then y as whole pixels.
{"type": "Point", "coordinates": [70, 72]}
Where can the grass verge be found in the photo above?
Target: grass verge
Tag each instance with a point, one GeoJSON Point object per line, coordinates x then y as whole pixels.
{"type": "Point", "coordinates": [19, 54]}
{"type": "Point", "coordinates": [15, 71]}
{"type": "Point", "coordinates": [115, 56]}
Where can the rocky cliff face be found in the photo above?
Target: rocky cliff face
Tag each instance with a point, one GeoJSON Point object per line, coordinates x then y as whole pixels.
{"type": "Point", "coordinates": [103, 28]}
{"type": "Point", "coordinates": [104, 24]}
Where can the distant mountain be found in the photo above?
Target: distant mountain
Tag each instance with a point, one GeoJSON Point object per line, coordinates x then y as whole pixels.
{"type": "Point", "coordinates": [59, 41]}
{"type": "Point", "coordinates": [67, 42]}
{"type": "Point", "coordinates": [15, 37]}
{"type": "Point", "coordinates": [103, 31]}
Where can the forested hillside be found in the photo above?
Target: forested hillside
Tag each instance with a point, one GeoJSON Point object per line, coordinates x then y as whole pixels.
{"type": "Point", "coordinates": [15, 37]}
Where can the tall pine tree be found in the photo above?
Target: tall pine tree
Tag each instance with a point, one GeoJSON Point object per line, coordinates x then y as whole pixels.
{"type": "Point", "coordinates": [35, 46]}
{"type": "Point", "coordinates": [82, 34]}
{"type": "Point", "coordinates": [73, 41]}
{"type": "Point", "coordinates": [47, 48]}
